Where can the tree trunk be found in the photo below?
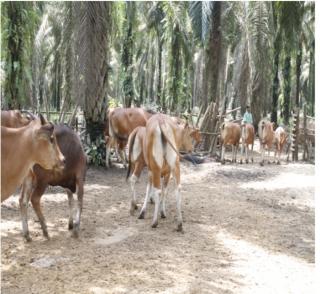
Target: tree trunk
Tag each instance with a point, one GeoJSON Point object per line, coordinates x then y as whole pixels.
{"type": "Point", "coordinates": [159, 70]}
{"type": "Point", "coordinates": [95, 20]}
{"type": "Point", "coordinates": [213, 70]}
{"type": "Point", "coordinates": [275, 89]}
{"type": "Point", "coordinates": [127, 55]}
{"type": "Point", "coordinates": [298, 73]}
{"type": "Point", "coordinates": [287, 88]}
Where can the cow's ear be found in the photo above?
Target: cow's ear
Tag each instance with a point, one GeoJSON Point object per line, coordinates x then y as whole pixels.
{"type": "Point", "coordinates": [42, 119]}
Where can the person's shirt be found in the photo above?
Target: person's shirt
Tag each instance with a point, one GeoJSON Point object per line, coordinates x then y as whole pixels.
{"type": "Point", "coordinates": [247, 118]}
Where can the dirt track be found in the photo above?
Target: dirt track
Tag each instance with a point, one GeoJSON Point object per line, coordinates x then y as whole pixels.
{"type": "Point", "coordinates": [247, 229]}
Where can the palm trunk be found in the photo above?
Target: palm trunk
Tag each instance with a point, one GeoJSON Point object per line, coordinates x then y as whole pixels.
{"type": "Point", "coordinates": [275, 89]}
{"type": "Point", "coordinates": [298, 72]}
{"type": "Point", "coordinates": [287, 87]}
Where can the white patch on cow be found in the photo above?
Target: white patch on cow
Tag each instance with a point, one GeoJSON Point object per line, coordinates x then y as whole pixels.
{"type": "Point", "coordinates": [157, 148]}
{"type": "Point", "coordinates": [170, 153]}
{"type": "Point", "coordinates": [136, 150]}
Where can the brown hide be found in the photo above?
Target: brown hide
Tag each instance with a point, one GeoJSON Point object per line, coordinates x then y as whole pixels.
{"type": "Point", "coordinates": [122, 121]}
{"type": "Point", "coordinates": [75, 162]}
{"type": "Point", "coordinates": [267, 134]}
{"type": "Point", "coordinates": [23, 147]}
{"type": "Point", "coordinates": [230, 133]}
{"type": "Point", "coordinates": [13, 119]}
{"type": "Point", "coordinates": [248, 134]}
{"type": "Point", "coordinates": [280, 138]}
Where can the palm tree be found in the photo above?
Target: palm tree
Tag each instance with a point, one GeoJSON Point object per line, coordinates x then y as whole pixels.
{"type": "Point", "coordinates": [127, 53]}
{"type": "Point", "coordinates": [19, 21]}
{"type": "Point", "coordinates": [94, 20]}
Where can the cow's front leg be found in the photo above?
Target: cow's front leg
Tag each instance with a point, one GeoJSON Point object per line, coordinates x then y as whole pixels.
{"type": "Point", "coordinates": [23, 203]}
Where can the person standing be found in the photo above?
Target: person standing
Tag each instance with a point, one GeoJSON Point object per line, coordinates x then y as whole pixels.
{"type": "Point", "coordinates": [247, 117]}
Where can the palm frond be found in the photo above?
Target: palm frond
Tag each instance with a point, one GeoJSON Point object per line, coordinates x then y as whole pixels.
{"type": "Point", "coordinates": [200, 12]}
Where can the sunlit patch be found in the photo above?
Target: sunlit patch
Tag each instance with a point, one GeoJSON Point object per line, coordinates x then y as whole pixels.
{"type": "Point", "coordinates": [107, 238]}
{"type": "Point", "coordinates": [97, 186]}
{"type": "Point", "coordinates": [282, 181]}
{"type": "Point", "coordinates": [7, 226]}
{"type": "Point", "coordinates": [265, 271]}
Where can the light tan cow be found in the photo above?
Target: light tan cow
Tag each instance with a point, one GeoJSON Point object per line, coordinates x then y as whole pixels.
{"type": "Point", "coordinates": [280, 138]}
{"type": "Point", "coordinates": [162, 140]}
{"type": "Point", "coordinates": [23, 147]}
{"type": "Point", "coordinates": [230, 135]}
{"type": "Point", "coordinates": [137, 156]}
{"type": "Point", "coordinates": [266, 137]}
{"type": "Point", "coordinates": [247, 138]}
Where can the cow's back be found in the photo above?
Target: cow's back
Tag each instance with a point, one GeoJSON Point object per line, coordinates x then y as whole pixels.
{"type": "Point", "coordinates": [124, 120]}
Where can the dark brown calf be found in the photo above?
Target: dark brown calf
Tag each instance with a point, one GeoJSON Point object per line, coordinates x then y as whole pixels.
{"type": "Point", "coordinates": [71, 178]}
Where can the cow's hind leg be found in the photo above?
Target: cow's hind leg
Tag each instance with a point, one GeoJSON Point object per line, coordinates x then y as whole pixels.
{"type": "Point", "coordinates": [76, 223]}
{"type": "Point", "coordinates": [35, 200]}
{"type": "Point", "coordinates": [70, 204]}
{"type": "Point", "coordinates": [178, 196]}
{"type": "Point", "coordinates": [156, 176]}
{"type": "Point", "coordinates": [146, 199]}
{"type": "Point", "coordinates": [164, 194]}
{"type": "Point", "coordinates": [223, 149]}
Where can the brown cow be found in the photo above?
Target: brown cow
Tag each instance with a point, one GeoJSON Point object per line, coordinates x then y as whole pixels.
{"type": "Point", "coordinates": [163, 138]}
{"type": "Point", "coordinates": [21, 148]}
{"type": "Point", "coordinates": [71, 178]}
{"type": "Point", "coordinates": [247, 138]}
{"type": "Point", "coordinates": [266, 137]}
{"type": "Point", "coordinates": [121, 122]}
{"type": "Point", "coordinates": [230, 135]}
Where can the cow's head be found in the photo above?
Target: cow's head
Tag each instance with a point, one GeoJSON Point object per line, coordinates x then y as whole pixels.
{"type": "Point", "coordinates": [190, 135]}
{"type": "Point", "coordinates": [48, 153]}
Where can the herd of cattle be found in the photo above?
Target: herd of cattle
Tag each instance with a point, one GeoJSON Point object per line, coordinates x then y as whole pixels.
{"type": "Point", "coordinates": [35, 154]}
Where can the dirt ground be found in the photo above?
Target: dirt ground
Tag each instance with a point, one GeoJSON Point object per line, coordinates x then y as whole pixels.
{"type": "Point", "coordinates": [247, 229]}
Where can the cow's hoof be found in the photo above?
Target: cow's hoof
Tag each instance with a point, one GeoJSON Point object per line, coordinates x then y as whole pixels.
{"type": "Point", "coordinates": [180, 228]}
{"type": "Point", "coordinates": [162, 214]}
{"type": "Point", "coordinates": [46, 235]}
{"type": "Point", "coordinates": [27, 238]}
{"type": "Point", "coordinates": [247, 161]}
{"type": "Point", "coordinates": [154, 225]}
{"type": "Point", "coordinates": [261, 164]}
{"type": "Point", "coordinates": [240, 161]}
{"type": "Point", "coordinates": [70, 226]}
{"type": "Point", "coordinates": [151, 200]}
{"type": "Point", "coordinates": [223, 162]}
{"type": "Point", "coordinates": [75, 234]}
{"type": "Point", "coordinates": [252, 160]}
{"type": "Point", "coordinates": [141, 215]}
{"type": "Point", "coordinates": [278, 162]}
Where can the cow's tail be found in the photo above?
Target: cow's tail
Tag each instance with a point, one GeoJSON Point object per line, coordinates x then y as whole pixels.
{"type": "Point", "coordinates": [164, 132]}
{"type": "Point", "coordinates": [132, 139]}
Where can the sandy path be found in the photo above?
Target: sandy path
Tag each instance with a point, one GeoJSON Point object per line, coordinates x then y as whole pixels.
{"type": "Point", "coordinates": [248, 229]}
